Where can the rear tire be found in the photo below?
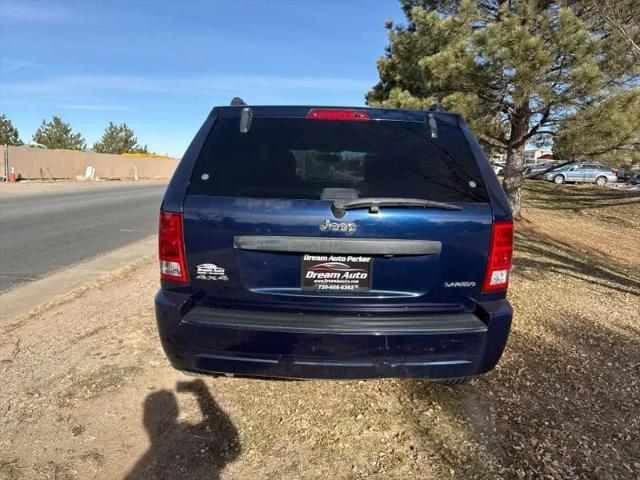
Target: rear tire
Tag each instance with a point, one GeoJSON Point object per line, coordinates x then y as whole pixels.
{"type": "Point", "coordinates": [454, 381]}
{"type": "Point", "coordinates": [601, 181]}
{"type": "Point", "coordinates": [558, 179]}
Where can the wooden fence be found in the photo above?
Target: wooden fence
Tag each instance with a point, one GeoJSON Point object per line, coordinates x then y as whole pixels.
{"type": "Point", "coordinates": [44, 164]}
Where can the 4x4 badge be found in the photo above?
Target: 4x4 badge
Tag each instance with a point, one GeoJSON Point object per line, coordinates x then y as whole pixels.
{"type": "Point", "coordinates": [329, 226]}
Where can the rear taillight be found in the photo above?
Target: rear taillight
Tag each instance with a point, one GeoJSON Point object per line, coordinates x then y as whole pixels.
{"type": "Point", "coordinates": [338, 114]}
{"type": "Point", "coordinates": [171, 248]}
{"type": "Point", "coordinates": [500, 253]}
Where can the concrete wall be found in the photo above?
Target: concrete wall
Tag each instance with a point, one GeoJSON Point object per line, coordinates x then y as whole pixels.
{"type": "Point", "coordinates": [40, 163]}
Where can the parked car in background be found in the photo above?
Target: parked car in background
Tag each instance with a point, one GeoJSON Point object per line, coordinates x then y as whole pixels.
{"type": "Point", "coordinates": [533, 170]}
{"type": "Point", "coordinates": [582, 173]}
{"type": "Point", "coordinates": [627, 172]}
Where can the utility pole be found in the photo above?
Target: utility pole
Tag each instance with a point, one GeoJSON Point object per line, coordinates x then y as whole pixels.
{"type": "Point", "coordinates": [6, 162]}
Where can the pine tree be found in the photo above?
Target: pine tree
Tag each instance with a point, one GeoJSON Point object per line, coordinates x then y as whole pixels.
{"type": "Point", "coordinates": [118, 139]}
{"type": "Point", "coordinates": [58, 134]}
{"type": "Point", "coordinates": [612, 125]}
{"type": "Point", "coordinates": [622, 16]}
{"type": "Point", "coordinates": [516, 70]}
{"type": "Point", "coordinates": [8, 133]}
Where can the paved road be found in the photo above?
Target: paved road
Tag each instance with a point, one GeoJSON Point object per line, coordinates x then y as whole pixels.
{"type": "Point", "coordinates": [40, 234]}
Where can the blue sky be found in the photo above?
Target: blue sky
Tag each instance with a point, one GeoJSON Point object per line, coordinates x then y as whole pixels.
{"type": "Point", "coordinates": [160, 66]}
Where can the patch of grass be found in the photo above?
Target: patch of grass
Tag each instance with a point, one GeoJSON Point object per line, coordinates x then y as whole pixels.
{"type": "Point", "coordinates": [542, 254]}
{"type": "Point", "coordinates": [576, 197]}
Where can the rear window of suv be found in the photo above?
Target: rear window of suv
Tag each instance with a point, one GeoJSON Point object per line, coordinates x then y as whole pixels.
{"type": "Point", "coordinates": [299, 158]}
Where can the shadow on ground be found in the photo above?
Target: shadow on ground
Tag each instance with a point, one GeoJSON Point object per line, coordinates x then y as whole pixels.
{"type": "Point", "coordinates": [545, 254]}
{"type": "Point", "coordinates": [563, 401]}
{"type": "Point", "coordinates": [566, 410]}
{"type": "Point", "coordinates": [182, 449]}
{"type": "Point", "coordinates": [562, 409]}
{"type": "Point", "coordinates": [543, 195]}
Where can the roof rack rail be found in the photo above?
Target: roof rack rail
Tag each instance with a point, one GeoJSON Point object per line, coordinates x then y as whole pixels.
{"type": "Point", "coordinates": [238, 102]}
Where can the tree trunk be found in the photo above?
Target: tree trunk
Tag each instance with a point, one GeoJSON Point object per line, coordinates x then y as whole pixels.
{"type": "Point", "coordinates": [514, 178]}
{"type": "Point", "coordinates": [514, 168]}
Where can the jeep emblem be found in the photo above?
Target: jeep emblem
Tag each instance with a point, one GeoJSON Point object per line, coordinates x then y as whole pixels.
{"type": "Point", "coordinates": [329, 226]}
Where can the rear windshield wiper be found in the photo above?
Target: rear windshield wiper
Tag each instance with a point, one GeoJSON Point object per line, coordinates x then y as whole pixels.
{"type": "Point", "coordinates": [340, 206]}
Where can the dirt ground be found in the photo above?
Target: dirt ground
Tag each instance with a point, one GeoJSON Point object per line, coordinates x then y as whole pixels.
{"type": "Point", "coordinates": [87, 393]}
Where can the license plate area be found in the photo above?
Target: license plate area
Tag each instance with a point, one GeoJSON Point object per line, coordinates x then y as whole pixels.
{"type": "Point", "coordinates": [336, 273]}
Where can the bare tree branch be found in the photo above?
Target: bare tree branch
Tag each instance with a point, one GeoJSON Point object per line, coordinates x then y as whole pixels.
{"type": "Point", "coordinates": [612, 18]}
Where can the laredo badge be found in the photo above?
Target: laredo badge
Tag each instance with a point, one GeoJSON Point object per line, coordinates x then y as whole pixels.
{"type": "Point", "coordinates": [209, 271]}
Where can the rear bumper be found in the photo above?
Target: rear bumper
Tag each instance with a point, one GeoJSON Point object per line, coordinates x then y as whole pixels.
{"type": "Point", "coordinates": [291, 345]}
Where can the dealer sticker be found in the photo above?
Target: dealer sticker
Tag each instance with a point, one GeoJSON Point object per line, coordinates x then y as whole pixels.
{"type": "Point", "coordinates": [336, 272]}
{"type": "Point", "coordinates": [210, 271]}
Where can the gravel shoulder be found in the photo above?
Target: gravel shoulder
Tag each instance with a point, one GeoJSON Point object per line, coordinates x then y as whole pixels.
{"type": "Point", "coordinates": [88, 394]}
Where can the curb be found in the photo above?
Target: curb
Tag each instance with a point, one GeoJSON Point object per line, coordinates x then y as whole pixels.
{"type": "Point", "coordinates": [30, 297]}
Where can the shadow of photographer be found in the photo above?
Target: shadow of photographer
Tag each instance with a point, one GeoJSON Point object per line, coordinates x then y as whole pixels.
{"type": "Point", "coordinates": [182, 449]}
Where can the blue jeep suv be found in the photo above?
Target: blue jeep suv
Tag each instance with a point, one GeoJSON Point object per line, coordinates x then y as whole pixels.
{"type": "Point", "coordinates": [314, 242]}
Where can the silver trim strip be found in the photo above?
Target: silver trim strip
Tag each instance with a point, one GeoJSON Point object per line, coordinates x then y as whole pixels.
{"type": "Point", "coordinates": [353, 246]}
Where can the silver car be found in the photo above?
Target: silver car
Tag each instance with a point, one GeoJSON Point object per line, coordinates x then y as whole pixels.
{"type": "Point", "coordinates": [582, 173]}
